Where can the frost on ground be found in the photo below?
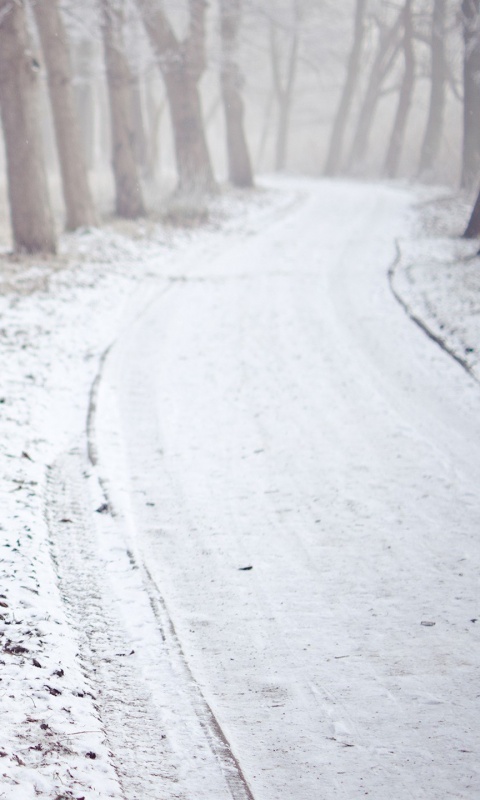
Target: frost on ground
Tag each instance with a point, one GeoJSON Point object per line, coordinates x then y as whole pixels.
{"type": "Point", "coordinates": [57, 319]}
{"type": "Point", "coordinates": [438, 276]}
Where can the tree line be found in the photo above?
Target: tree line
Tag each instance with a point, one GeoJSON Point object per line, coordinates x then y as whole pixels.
{"type": "Point", "coordinates": [414, 24]}
{"type": "Point", "coordinates": [353, 76]}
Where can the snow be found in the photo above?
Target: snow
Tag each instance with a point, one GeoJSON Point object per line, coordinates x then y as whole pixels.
{"type": "Point", "coordinates": [248, 394]}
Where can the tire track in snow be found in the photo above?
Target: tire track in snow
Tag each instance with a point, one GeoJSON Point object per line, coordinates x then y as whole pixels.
{"type": "Point", "coordinates": [145, 754]}
{"type": "Point", "coordinates": [147, 762]}
{"type": "Point", "coordinates": [217, 741]}
{"type": "Point", "coordinates": [221, 751]}
{"type": "Point", "coordinates": [130, 724]}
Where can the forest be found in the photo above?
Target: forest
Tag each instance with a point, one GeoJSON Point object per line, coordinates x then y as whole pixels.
{"type": "Point", "coordinates": [240, 408]}
{"type": "Point", "coordinates": [110, 106]}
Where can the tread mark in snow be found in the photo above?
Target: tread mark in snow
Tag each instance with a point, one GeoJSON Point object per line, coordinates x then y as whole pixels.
{"type": "Point", "coordinates": [136, 728]}
{"type": "Point", "coordinates": [213, 732]}
{"type": "Point", "coordinates": [123, 707]}
{"type": "Point", "coordinates": [216, 738]}
{"type": "Point", "coordinates": [144, 736]}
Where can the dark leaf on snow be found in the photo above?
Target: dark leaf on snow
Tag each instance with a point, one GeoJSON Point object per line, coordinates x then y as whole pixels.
{"type": "Point", "coordinates": [52, 690]}
{"type": "Point", "coordinates": [15, 649]}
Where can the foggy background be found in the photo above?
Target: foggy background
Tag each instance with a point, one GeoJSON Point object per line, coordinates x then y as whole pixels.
{"type": "Point", "coordinates": [308, 40]}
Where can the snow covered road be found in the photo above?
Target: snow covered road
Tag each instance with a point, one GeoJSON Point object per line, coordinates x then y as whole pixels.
{"type": "Point", "coordinates": [295, 470]}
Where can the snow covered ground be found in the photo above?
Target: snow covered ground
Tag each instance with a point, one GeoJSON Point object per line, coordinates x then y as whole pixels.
{"type": "Point", "coordinates": [239, 526]}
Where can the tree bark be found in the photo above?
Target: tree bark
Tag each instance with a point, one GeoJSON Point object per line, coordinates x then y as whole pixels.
{"type": "Point", "coordinates": [385, 57]}
{"type": "Point", "coordinates": [31, 217]}
{"type": "Point", "coordinates": [267, 118]}
{"type": "Point", "coordinates": [76, 191]}
{"type": "Point", "coordinates": [182, 65]}
{"type": "Point", "coordinates": [239, 163]}
{"type": "Point", "coordinates": [471, 81]}
{"type": "Point", "coordinates": [83, 54]}
{"type": "Point", "coordinates": [472, 230]}
{"type": "Point", "coordinates": [434, 129]}
{"type": "Point", "coordinates": [333, 162]}
{"type": "Point", "coordinates": [394, 152]}
{"type": "Point", "coordinates": [128, 192]}
{"type": "Point", "coordinates": [155, 108]}
{"type": "Point", "coordinates": [140, 138]}
{"type": "Point", "coordinates": [284, 89]}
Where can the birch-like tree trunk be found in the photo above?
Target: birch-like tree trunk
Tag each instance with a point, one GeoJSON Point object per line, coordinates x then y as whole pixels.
{"type": "Point", "coordinates": [471, 100]}
{"type": "Point", "coordinates": [397, 139]}
{"type": "Point", "coordinates": [30, 212]}
{"type": "Point", "coordinates": [434, 128]}
{"type": "Point", "coordinates": [333, 163]}
{"type": "Point", "coordinates": [76, 191]}
{"type": "Point", "coordinates": [182, 64]}
{"type": "Point", "coordinates": [239, 163]}
{"type": "Point", "coordinates": [128, 192]}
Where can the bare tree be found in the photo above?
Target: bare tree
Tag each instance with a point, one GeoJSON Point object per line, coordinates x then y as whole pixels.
{"type": "Point", "coordinates": [239, 164]}
{"type": "Point", "coordinates": [436, 113]}
{"type": "Point", "coordinates": [394, 151]}
{"type": "Point", "coordinates": [32, 221]}
{"type": "Point", "coordinates": [353, 71]}
{"type": "Point", "coordinates": [182, 64]}
{"type": "Point", "coordinates": [471, 80]}
{"type": "Point", "coordinates": [284, 85]}
{"type": "Point", "coordinates": [76, 191]}
{"type": "Point", "coordinates": [128, 193]}
{"type": "Point", "coordinates": [387, 51]}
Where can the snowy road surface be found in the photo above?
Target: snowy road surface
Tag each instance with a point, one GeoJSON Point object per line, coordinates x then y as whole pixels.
{"type": "Point", "coordinates": [294, 468]}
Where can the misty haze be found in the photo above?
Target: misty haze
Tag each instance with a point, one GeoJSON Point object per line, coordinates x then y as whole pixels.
{"type": "Point", "coordinates": [240, 401]}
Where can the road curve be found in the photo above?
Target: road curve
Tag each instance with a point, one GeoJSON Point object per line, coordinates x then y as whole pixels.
{"type": "Point", "coordinates": [295, 466]}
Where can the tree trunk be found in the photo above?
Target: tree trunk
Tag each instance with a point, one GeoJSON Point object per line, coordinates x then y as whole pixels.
{"type": "Point", "coordinates": [239, 163]}
{"type": "Point", "coordinates": [76, 191]}
{"type": "Point", "coordinates": [83, 52]}
{"type": "Point", "coordinates": [155, 108]}
{"type": "Point", "coordinates": [284, 89]}
{"type": "Point", "coordinates": [332, 165]}
{"type": "Point", "coordinates": [182, 65]}
{"type": "Point", "coordinates": [140, 139]}
{"type": "Point", "coordinates": [193, 161]}
{"type": "Point", "coordinates": [32, 222]}
{"type": "Point", "coordinates": [394, 152]}
{"type": "Point", "coordinates": [265, 130]}
{"type": "Point", "coordinates": [434, 129]}
{"type": "Point", "coordinates": [128, 193]}
{"type": "Point", "coordinates": [385, 57]}
{"type": "Point", "coordinates": [471, 80]}
{"type": "Point", "coordinates": [472, 230]}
